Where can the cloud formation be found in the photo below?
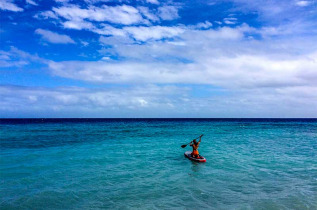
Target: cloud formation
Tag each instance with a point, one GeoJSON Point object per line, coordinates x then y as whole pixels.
{"type": "Point", "coordinates": [31, 2]}
{"type": "Point", "coordinates": [168, 12]}
{"type": "Point", "coordinates": [53, 37]}
{"type": "Point", "coordinates": [151, 100]}
{"type": "Point", "coordinates": [235, 58]}
{"type": "Point", "coordinates": [17, 58]}
{"type": "Point", "coordinates": [9, 6]}
{"type": "Point", "coordinates": [75, 99]}
{"type": "Point", "coordinates": [95, 18]}
{"type": "Point", "coordinates": [153, 32]}
{"type": "Point", "coordinates": [303, 3]}
{"type": "Point", "coordinates": [124, 14]}
{"type": "Point", "coordinates": [244, 71]}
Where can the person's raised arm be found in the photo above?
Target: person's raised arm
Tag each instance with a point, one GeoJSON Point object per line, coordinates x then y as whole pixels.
{"type": "Point", "coordinates": [200, 139]}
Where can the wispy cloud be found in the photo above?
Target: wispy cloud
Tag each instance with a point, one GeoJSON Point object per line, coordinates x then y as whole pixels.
{"type": "Point", "coordinates": [276, 12]}
{"type": "Point", "coordinates": [17, 58]}
{"type": "Point", "coordinates": [203, 25]}
{"type": "Point", "coordinates": [31, 2]}
{"type": "Point", "coordinates": [230, 20]}
{"type": "Point", "coordinates": [153, 1]}
{"type": "Point", "coordinates": [98, 19]}
{"type": "Point", "coordinates": [150, 15]}
{"type": "Point", "coordinates": [168, 12]}
{"type": "Point", "coordinates": [45, 15]}
{"type": "Point", "coordinates": [303, 3]}
{"type": "Point", "coordinates": [153, 32]}
{"type": "Point", "coordinates": [53, 37]}
{"type": "Point", "coordinates": [78, 25]}
{"type": "Point", "coordinates": [9, 6]}
{"type": "Point", "coordinates": [115, 14]}
{"type": "Point", "coordinates": [106, 29]}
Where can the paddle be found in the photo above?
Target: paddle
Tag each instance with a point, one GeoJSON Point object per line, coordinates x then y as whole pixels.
{"type": "Point", "coordinates": [183, 146]}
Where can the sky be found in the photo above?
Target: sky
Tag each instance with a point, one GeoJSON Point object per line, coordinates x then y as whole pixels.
{"type": "Point", "coordinates": [152, 58]}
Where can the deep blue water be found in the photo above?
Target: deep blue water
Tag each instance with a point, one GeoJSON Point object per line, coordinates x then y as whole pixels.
{"type": "Point", "coordinates": [138, 163]}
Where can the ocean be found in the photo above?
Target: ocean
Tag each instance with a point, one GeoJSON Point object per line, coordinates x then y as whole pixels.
{"type": "Point", "coordinates": [139, 164]}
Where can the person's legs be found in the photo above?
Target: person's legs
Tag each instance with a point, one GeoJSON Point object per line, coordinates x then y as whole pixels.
{"type": "Point", "coordinates": [195, 154]}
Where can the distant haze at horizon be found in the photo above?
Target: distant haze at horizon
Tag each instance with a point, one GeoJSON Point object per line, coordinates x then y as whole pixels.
{"type": "Point", "coordinates": [158, 59]}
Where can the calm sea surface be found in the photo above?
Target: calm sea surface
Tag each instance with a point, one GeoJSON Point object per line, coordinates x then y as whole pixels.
{"type": "Point", "coordinates": [139, 164]}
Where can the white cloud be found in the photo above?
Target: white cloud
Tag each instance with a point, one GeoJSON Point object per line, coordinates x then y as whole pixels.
{"type": "Point", "coordinates": [277, 12]}
{"type": "Point", "coordinates": [124, 14]}
{"type": "Point", "coordinates": [109, 30]}
{"type": "Point", "coordinates": [9, 6]}
{"type": "Point", "coordinates": [53, 37]}
{"type": "Point", "coordinates": [222, 57]}
{"type": "Point", "coordinates": [84, 43]}
{"type": "Point", "coordinates": [8, 60]}
{"type": "Point", "coordinates": [31, 2]}
{"type": "Point", "coordinates": [99, 19]}
{"type": "Point", "coordinates": [118, 101]}
{"type": "Point", "coordinates": [303, 3]}
{"type": "Point", "coordinates": [153, 32]}
{"type": "Point", "coordinates": [78, 25]}
{"type": "Point", "coordinates": [149, 14]}
{"type": "Point", "coordinates": [105, 58]}
{"type": "Point", "coordinates": [168, 12]}
{"type": "Point", "coordinates": [195, 40]}
{"type": "Point", "coordinates": [230, 21]}
{"type": "Point", "coordinates": [245, 71]}
{"type": "Point", "coordinates": [45, 15]}
{"type": "Point", "coordinates": [62, 1]}
{"type": "Point", "coordinates": [156, 101]}
{"type": "Point", "coordinates": [295, 28]}
{"type": "Point", "coordinates": [115, 40]}
{"type": "Point", "coordinates": [203, 25]}
{"type": "Point", "coordinates": [141, 33]}
{"type": "Point", "coordinates": [17, 58]}
{"type": "Point", "coordinates": [153, 1]}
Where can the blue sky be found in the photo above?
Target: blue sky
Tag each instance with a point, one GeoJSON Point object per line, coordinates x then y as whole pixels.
{"type": "Point", "coordinates": [151, 58]}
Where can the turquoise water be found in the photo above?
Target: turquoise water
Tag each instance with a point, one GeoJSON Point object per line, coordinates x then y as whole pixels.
{"type": "Point", "coordinates": [133, 164]}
